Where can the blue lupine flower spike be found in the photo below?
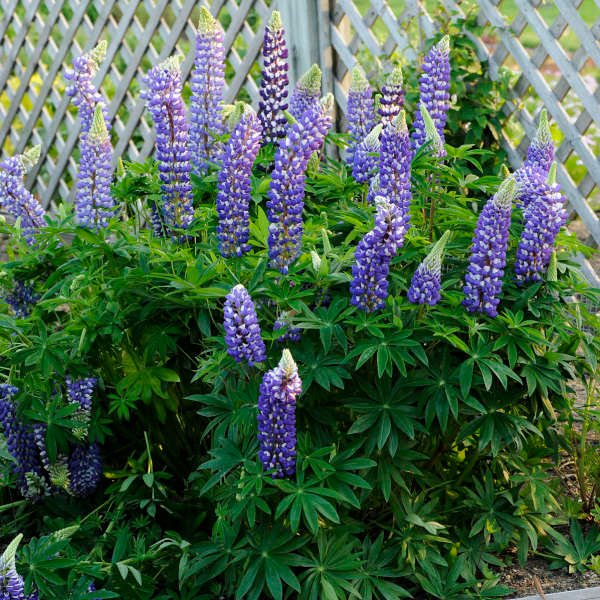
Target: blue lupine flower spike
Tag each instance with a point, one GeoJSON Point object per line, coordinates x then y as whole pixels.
{"type": "Point", "coordinates": [392, 96]}
{"type": "Point", "coordinates": [426, 282]}
{"type": "Point", "coordinates": [361, 112]}
{"type": "Point", "coordinates": [306, 92]}
{"type": "Point", "coordinates": [366, 155]}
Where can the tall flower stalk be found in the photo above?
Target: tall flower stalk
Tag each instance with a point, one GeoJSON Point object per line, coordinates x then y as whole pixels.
{"type": "Point", "coordinates": [392, 96]}
{"type": "Point", "coordinates": [361, 112]}
{"type": "Point", "coordinates": [94, 204]}
{"type": "Point", "coordinates": [306, 92]}
{"type": "Point", "coordinates": [366, 154]}
{"type": "Point", "coordinates": [483, 280]}
{"type": "Point", "coordinates": [208, 84]}
{"type": "Point", "coordinates": [234, 186]}
{"type": "Point", "coordinates": [164, 101]}
{"type": "Point", "coordinates": [84, 469]}
{"type": "Point", "coordinates": [426, 281]}
{"type": "Point", "coordinates": [286, 192]}
{"type": "Point", "coordinates": [274, 83]}
{"type": "Point", "coordinates": [277, 417]}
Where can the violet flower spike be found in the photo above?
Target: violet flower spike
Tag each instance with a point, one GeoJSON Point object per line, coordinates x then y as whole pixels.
{"type": "Point", "coordinates": [16, 199]}
{"type": "Point", "coordinates": [546, 215]}
{"type": "Point", "coordinates": [483, 280]}
{"type": "Point", "coordinates": [164, 101]}
{"type": "Point", "coordinates": [392, 96]}
{"type": "Point", "coordinates": [361, 112]}
{"type": "Point", "coordinates": [306, 92]}
{"type": "Point", "coordinates": [366, 156]}
{"type": "Point", "coordinates": [94, 204]}
{"type": "Point", "coordinates": [21, 299]}
{"type": "Point", "coordinates": [234, 186]}
{"type": "Point", "coordinates": [274, 83]}
{"type": "Point", "coordinates": [242, 331]}
{"type": "Point", "coordinates": [286, 192]}
{"type": "Point", "coordinates": [277, 417]}
{"type": "Point", "coordinates": [426, 281]}
{"type": "Point", "coordinates": [85, 469]}
{"type": "Point", "coordinates": [374, 253]}
{"type": "Point", "coordinates": [434, 90]}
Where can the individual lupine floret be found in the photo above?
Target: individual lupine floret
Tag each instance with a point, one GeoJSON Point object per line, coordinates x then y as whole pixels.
{"type": "Point", "coordinates": [286, 192]}
{"type": "Point", "coordinates": [369, 286]}
{"type": "Point", "coordinates": [234, 186]}
{"type": "Point", "coordinates": [546, 215]}
{"type": "Point", "coordinates": [94, 203]}
{"type": "Point", "coordinates": [16, 199]}
{"type": "Point", "coordinates": [242, 331]}
{"type": "Point", "coordinates": [21, 299]}
{"type": "Point", "coordinates": [432, 136]}
{"type": "Point", "coordinates": [426, 281]}
{"type": "Point", "coordinates": [366, 156]}
{"type": "Point", "coordinates": [361, 113]}
{"type": "Point", "coordinates": [274, 83]}
{"type": "Point", "coordinates": [306, 92]}
{"type": "Point", "coordinates": [277, 417]}
{"type": "Point", "coordinates": [392, 96]}
{"type": "Point", "coordinates": [85, 95]}
{"type": "Point", "coordinates": [434, 90]}
{"type": "Point", "coordinates": [483, 281]}
{"type": "Point", "coordinates": [207, 83]}
{"type": "Point", "coordinates": [80, 392]}
{"type": "Point", "coordinates": [12, 586]}
{"type": "Point", "coordinates": [85, 469]}
{"type": "Point", "coordinates": [164, 101]}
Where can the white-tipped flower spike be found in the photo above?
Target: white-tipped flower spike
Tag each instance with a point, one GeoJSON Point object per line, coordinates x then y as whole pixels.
{"type": "Point", "coordinates": [98, 132]}
{"type": "Point", "coordinates": [431, 133]}
{"type": "Point", "coordinates": [207, 24]}
{"type": "Point", "coordinates": [505, 195]}
{"type": "Point", "coordinates": [8, 556]}
{"type": "Point", "coordinates": [240, 109]}
{"type": "Point", "coordinates": [360, 111]}
{"type": "Point", "coordinates": [365, 155]}
{"type": "Point", "coordinates": [392, 96]}
{"type": "Point", "coordinates": [98, 54]}
{"type": "Point", "coordinates": [30, 157]}
{"type": "Point", "coordinates": [359, 82]}
{"type": "Point", "coordinates": [552, 271]}
{"type": "Point", "coordinates": [543, 136]}
{"type": "Point", "coordinates": [306, 92]}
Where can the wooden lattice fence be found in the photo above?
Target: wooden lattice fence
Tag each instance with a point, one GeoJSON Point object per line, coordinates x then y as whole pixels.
{"type": "Point", "coordinates": [38, 40]}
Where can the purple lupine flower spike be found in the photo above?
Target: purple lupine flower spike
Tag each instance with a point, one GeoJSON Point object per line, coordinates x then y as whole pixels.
{"type": "Point", "coordinates": [85, 95]}
{"type": "Point", "coordinates": [546, 215]}
{"type": "Point", "coordinates": [233, 197]}
{"type": "Point", "coordinates": [366, 155]}
{"type": "Point", "coordinates": [434, 90]}
{"type": "Point", "coordinates": [426, 281]}
{"type": "Point", "coordinates": [94, 203]}
{"type": "Point", "coordinates": [369, 286]}
{"type": "Point", "coordinates": [286, 192]}
{"type": "Point", "coordinates": [16, 199]}
{"type": "Point", "coordinates": [21, 299]}
{"type": "Point", "coordinates": [80, 392]}
{"type": "Point", "coordinates": [274, 82]}
{"type": "Point", "coordinates": [208, 84]}
{"type": "Point", "coordinates": [164, 101]}
{"type": "Point", "coordinates": [242, 331]}
{"type": "Point", "coordinates": [432, 135]}
{"type": "Point", "coordinates": [85, 469]}
{"type": "Point", "coordinates": [277, 417]}
{"type": "Point", "coordinates": [483, 281]}
{"type": "Point", "coordinates": [392, 96]}
{"type": "Point", "coordinates": [306, 92]}
{"type": "Point", "coordinates": [361, 113]}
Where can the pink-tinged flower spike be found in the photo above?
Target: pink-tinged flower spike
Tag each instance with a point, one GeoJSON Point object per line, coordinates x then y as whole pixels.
{"type": "Point", "coordinates": [233, 197]}
{"type": "Point", "coordinates": [392, 96]}
{"type": "Point", "coordinates": [94, 204]}
{"type": "Point", "coordinates": [242, 331]}
{"type": "Point", "coordinates": [85, 95]}
{"type": "Point", "coordinates": [426, 282]}
{"type": "Point", "coordinates": [208, 84]}
{"type": "Point", "coordinates": [16, 199]}
{"type": "Point", "coordinates": [164, 101]}
{"type": "Point", "coordinates": [286, 192]}
{"type": "Point", "coordinates": [306, 92]}
{"type": "Point", "coordinates": [432, 136]}
{"type": "Point", "coordinates": [366, 156]}
{"type": "Point", "coordinates": [277, 417]}
{"type": "Point", "coordinates": [361, 113]}
{"type": "Point", "coordinates": [483, 281]}
{"type": "Point", "coordinates": [434, 90]}
{"type": "Point", "coordinates": [369, 286]}
{"type": "Point", "coordinates": [546, 215]}
{"type": "Point", "coordinates": [274, 83]}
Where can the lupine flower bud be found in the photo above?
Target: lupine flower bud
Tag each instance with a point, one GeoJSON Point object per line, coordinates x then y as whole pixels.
{"type": "Point", "coordinates": [277, 417]}
{"type": "Point", "coordinates": [306, 92]}
{"type": "Point", "coordinates": [286, 192]}
{"type": "Point", "coordinates": [233, 197]}
{"type": "Point", "coordinates": [361, 114]}
{"type": "Point", "coordinates": [483, 281]}
{"type": "Point", "coordinates": [164, 101]}
{"type": "Point", "coordinates": [366, 155]}
{"type": "Point", "coordinates": [426, 282]}
{"type": "Point", "coordinates": [552, 271]}
{"type": "Point", "coordinates": [392, 96]}
{"type": "Point", "coordinates": [434, 90]}
{"type": "Point", "coordinates": [21, 299]}
{"type": "Point", "coordinates": [431, 134]}
{"type": "Point", "coordinates": [242, 331]}
{"type": "Point", "coordinates": [80, 392]}
{"type": "Point", "coordinates": [369, 286]}
{"type": "Point", "coordinates": [274, 83]}
{"type": "Point", "coordinates": [12, 586]}
{"type": "Point", "coordinates": [208, 84]}
{"type": "Point", "coordinates": [16, 199]}
{"type": "Point", "coordinates": [94, 204]}
{"type": "Point", "coordinates": [85, 95]}
{"type": "Point", "coordinates": [545, 216]}
{"type": "Point", "coordinates": [85, 469]}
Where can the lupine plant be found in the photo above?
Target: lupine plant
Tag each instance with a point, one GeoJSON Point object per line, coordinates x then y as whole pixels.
{"type": "Point", "coordinates": [361, 112]}
{"type": "Point", "coordinates": [306, 92]}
